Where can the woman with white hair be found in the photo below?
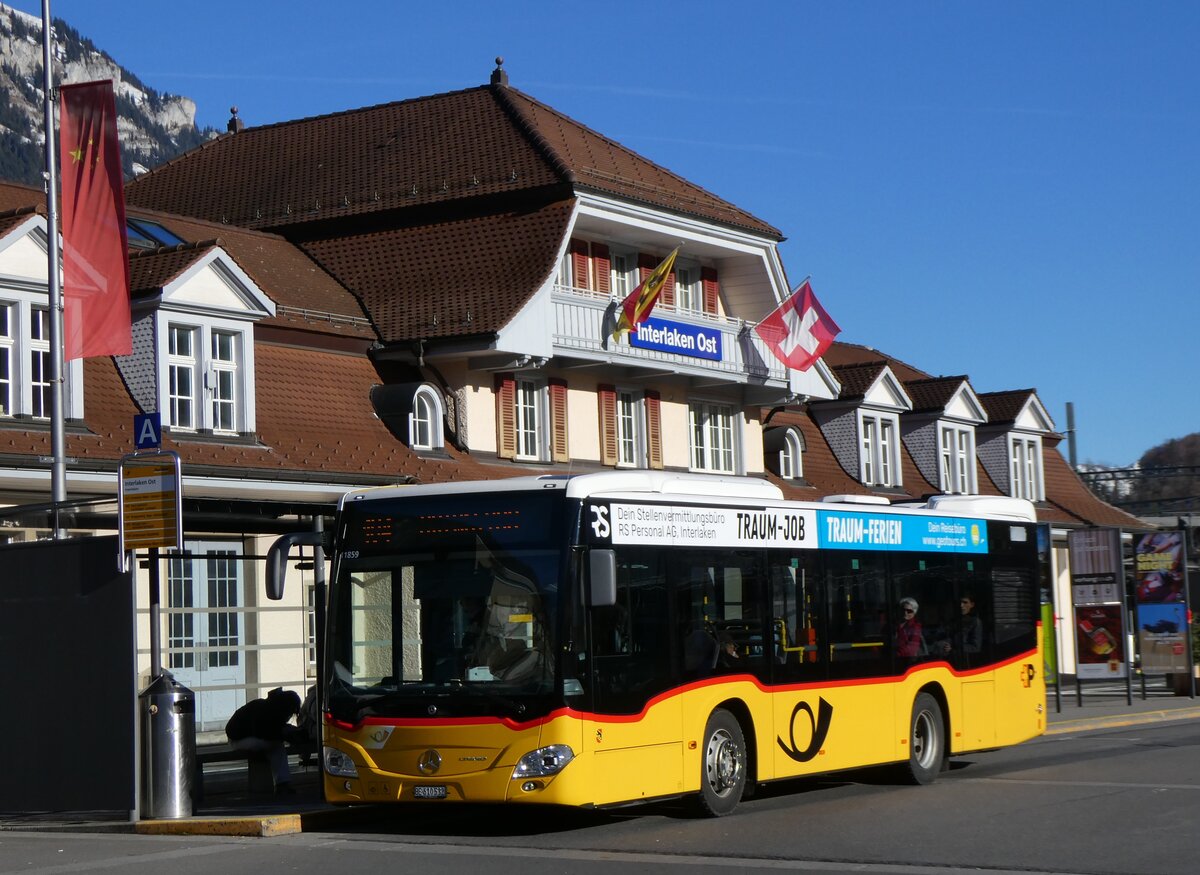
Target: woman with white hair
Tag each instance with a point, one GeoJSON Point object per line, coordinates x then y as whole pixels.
{"type": "Point", "coordinates": [909, 641]}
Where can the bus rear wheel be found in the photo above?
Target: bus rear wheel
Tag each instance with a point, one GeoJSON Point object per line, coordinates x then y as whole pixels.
{"type": "Point", "coordinates": [926, 740]}
{"type": "Point", "coordinates": [723, 765]}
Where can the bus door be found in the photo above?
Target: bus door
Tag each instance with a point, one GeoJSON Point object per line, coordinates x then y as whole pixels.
{"type": "Point", "coordinates": [635, 735]}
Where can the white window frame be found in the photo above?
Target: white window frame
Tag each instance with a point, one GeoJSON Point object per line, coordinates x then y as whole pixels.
{"type": "Point", "coordinates": [714, 437]}
{"type": "Point", "coordinates": [956, 451]}
{"type": "Point", "coordinates": [530, 419]}
{"type": "Point", "coordinates": [1027, 479]}
{"type": "Point", "coordinates": [20, 344]}
{"type": "Point", "coordinates": [631, 428]}
{"type": "Point", "coordinates": [40, 399]}
{"type": "Point", "coordinates": [217, 382]}
{"type": "Point", "coordinates": [791, 456]}
{"type": "Point", "coordinates": [7, 350]}
{"type": "Point", "coordinates": [879, 449]}
{"type": "Point", "coordinates": [689, 291]}
{"type": "Point", "coordinates": [223, 377]}
{"type": "Point", "coordinates": [425, 419]}
{"type": "Point", "coordinates": [565, 270]}
{"type": "Point", "coordinates": [623, 271]}
{"type": "Point", "coordinates": [178, 365]}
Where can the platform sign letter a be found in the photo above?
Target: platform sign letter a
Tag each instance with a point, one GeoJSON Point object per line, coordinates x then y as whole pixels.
{"type": "Point", "coordinates": [147, 430]}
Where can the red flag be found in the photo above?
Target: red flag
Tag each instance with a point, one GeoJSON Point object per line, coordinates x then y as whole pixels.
{"type": "Point", "coordinates": [636, 307]}
{"type": "Point", "coordinates": [96, 319]}
{"type": "Point", "coordinates": [799, 330]}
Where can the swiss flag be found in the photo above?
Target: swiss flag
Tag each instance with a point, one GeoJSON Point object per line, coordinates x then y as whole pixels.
{"type": "Point", "coordinates": [799, 330]}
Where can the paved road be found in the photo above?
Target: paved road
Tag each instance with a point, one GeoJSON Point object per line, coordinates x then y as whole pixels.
{"type": "Point", "coordinates": [1103, 802]}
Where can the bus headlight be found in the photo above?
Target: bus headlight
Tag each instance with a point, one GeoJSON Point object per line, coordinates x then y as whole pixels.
{"type": "Point", "coordinates": [339, 763]}
{"type": "Point", "coordinates": [544, 761]}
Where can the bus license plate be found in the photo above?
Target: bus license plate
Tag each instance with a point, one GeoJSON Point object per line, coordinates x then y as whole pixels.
{"type": "Point", "coordinates": [429, 791]}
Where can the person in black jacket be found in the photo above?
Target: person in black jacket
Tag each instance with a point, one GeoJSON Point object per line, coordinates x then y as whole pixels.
{"type": "Point", "coordinates": [263, 725]}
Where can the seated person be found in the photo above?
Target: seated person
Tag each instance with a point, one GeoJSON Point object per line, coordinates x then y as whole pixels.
{"type": "Point", "coordinates": [263, 726]}
{"type": "Point", "coordinates": [910, 642]}
{"type": "Point", "coordinates": [727, 652]}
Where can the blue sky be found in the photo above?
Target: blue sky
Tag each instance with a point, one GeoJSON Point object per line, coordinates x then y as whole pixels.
{"type": "Point", "coordinates": [1002, 189]}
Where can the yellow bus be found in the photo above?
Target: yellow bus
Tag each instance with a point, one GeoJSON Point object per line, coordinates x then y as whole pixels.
{"type": "Point", "coordinates": [620, 637]}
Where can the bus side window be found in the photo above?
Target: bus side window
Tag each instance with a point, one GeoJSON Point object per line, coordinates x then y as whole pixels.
{"type": "Point", "coordinates": [860, 629]}
{"type": "Point", "coordinates": [794, 617]}
{"type": "Point", "coordinates": [632, 656]}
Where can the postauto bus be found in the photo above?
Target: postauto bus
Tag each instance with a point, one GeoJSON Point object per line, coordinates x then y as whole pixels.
{"type": "Point", "coordinates": [620, 637]}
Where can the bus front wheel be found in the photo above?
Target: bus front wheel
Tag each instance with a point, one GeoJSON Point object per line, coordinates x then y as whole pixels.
{"type": "Point", "coordinates": [723, 775]}
{"type": "Point", "coordinates": [926, 740]}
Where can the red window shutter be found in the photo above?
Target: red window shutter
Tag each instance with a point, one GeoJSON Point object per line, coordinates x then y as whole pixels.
{"type": "Point", "coordinates": [579, 263]}
{"type": "Point", "coordinates": [601, 268]}
{"type": "Point", "coordinates": [668, 293]}
{"type": "Point", "coordinates": [608, 424]}
{"type": "Point", "coordinates": [654, 430]}
{"type": "Point", "coordinates": [646, 265]}
{"type": "Point", "coordinates": [506, 416]}
{"type": "Point", "coordinates": [708, 278]}
{"type": "Point", "coordinates": [559, 451]}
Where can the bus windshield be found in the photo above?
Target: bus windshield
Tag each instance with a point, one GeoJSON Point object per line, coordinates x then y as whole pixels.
{"type": "Point", "coordinates": [437, 597]}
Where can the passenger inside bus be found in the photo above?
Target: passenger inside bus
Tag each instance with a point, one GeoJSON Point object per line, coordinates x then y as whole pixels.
{"type": "Point", "coordinates": [909, 641]}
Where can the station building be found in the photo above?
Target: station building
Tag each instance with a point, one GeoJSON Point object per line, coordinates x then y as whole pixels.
{"type": "Point", "coordinates": [425, 291]}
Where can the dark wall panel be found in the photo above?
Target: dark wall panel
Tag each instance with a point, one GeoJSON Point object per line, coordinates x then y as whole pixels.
{"type": "Point", "coordinates": [67, 651]}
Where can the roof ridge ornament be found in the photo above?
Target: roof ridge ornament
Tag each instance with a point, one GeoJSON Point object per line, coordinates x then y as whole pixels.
{"type": "Point", "coordinates": [500, 75]}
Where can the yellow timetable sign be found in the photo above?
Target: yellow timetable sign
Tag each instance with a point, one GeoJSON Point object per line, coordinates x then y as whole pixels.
{"type": "Point", "coordinates": [150, 502]}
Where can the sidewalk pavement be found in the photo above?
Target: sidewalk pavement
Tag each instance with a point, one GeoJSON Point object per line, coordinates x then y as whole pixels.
{"type": "Point", "coordinates": [230, 809]}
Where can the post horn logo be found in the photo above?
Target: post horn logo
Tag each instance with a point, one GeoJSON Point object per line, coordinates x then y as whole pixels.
{"type": "Point", "coordinates": [429, 762]}
{"type": "Point", "coordinates": [819, 726]}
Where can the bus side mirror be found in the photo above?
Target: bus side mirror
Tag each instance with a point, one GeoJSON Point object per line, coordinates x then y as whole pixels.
{"type": "Point", "coordinates": [277, 558]}
{"type": "Point", "coordinates": [602, 578]}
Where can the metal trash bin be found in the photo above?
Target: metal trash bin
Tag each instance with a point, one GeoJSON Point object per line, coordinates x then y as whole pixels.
{"type": "Point", "coordinates": [167, 713]}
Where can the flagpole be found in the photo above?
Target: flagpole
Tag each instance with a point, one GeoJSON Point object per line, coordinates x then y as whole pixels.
{"type": "Point", "coordinates": [58, 469]}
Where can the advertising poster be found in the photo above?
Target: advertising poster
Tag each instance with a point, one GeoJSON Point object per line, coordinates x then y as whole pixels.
{"type": "Point", "coordinates": [1160, 594]}
{"type": "Point", "coordinates": [1099, 640]}
{"type": "Point", "coordinates": [1097, 591]}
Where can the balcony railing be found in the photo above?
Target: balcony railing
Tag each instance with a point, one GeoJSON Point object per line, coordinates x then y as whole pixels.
{"type": "Point", "coordinates": [584, 321]}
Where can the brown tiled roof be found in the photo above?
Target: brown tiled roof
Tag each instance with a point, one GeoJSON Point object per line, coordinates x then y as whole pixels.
{"type": "Point", "coordinates": [340, 437]}
{"type": "Point", "coordinates": [1068, 500]}
{"type": "Point", "coordinates": [306, 296]}
{"type": "Point", "coordinates": [150, 270]}
{"type": "Point", "coordinates": [14, 196]}
{"type": "Point", "coordinates": [8, 221]}
{"type": "Point", "coordinates": [462, 145]}
{"type": "Point", "coordinates": [451, 278]}
{"type": "Point", "coordinates": [840, 353]}
{"type": "Point", "coordinates": [602, 164]}
{"type": "Point", "coordinates": [856, 379]}
{"type": "Point", "coordinates": [933, 393]}
{"type": "Point", "coordinates": [1005, 406]}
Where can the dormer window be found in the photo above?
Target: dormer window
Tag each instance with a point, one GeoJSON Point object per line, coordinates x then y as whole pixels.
{"type": "Point", "coordinates": [1025, 467]}
{"type": "Point", "coordinates": [879, 450]}
{"type": "Point", "coordinates": [791, 459]}
{"type": "Point", "coordinates": [957, 454]}
{"type": "Point", "coordinates": [205, 378]}
{"type": "Point", "coordinates": [425, 420]}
